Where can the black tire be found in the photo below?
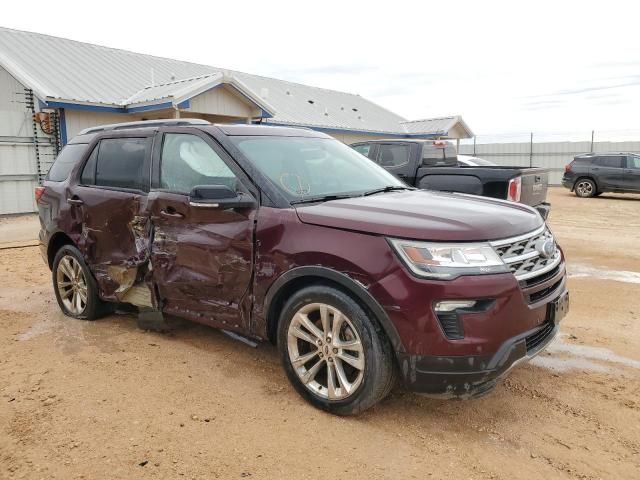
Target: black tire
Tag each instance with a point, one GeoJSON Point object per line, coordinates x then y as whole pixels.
{"type": "Point", "coordinates": [379, 369]}
{"type": "Point", "coordinates": [94, 308]}
{"type": "Point", "coordinates": [585, 188]}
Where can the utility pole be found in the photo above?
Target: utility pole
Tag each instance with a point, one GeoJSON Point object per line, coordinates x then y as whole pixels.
{"type": "Point", "coordinates": [592, 135]}
{"type": "Point", "coordinates": [531, 151]}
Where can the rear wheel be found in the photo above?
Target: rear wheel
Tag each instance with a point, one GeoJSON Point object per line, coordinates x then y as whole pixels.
{"type": "Point", "coordinates": [585, 188]}
{"type": "Point", "coordinates": [335, 356]}
{"type": "Point", "coordinates": [75, 288]}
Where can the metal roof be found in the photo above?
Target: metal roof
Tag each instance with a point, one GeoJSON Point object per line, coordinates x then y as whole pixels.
{"type": "Point", "coordinates": [64, 70]}
{"type": "Point", "coordinates": [436, 126]}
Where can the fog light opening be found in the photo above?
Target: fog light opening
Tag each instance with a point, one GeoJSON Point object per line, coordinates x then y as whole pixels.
{"type": "Point", "coordinates": [453, 305]}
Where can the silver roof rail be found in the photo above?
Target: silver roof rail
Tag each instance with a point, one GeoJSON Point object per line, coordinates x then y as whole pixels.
{"type": "Point", "coordinates": [145, 124]}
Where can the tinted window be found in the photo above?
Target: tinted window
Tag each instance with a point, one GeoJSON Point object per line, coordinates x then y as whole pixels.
{"type": "Point", "coordinates": [69, 156]}
{"type": "Point", "coordinates": [188, 161]}
{"type": "Point", "coordinates": [609, 161]}
{"type": "Point", "coordinates": [393, 155]}
{"type": "Point", "coordinates": [88, 176]}
{"type": "Point", "coordinates": [363, 149]}
{"type": "Point", "coordinates": [633, 161]}
{"type": "Point", "coordinates": [439, 154]}
{"type": "Point", "coordinates": [121, 163]}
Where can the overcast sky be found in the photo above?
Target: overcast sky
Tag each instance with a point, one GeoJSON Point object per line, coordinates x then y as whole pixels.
{"type": "Point", "coordinates": [510, 66]}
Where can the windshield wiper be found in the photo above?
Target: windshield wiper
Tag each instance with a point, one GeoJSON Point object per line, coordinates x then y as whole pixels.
{"type": "Point", "coordinates": [320, 198]}
{"type": "Point", "coordinates": [389, 188]}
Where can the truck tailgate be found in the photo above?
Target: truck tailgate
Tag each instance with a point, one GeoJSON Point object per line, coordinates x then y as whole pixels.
{"type": "Point", "coordinates": [534, 186]}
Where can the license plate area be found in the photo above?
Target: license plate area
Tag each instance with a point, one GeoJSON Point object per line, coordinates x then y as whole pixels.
{"type": "Point", "coordinates": [558, 309]}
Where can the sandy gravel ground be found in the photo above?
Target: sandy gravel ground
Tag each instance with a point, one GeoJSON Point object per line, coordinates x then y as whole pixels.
{"type": "Point", "coordinates": [104, 400]}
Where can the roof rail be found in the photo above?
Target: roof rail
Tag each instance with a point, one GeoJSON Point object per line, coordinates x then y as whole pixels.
{"type": "Point", "coordinates": [145, 124]}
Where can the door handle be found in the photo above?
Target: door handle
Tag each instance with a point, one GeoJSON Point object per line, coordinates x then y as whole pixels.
{"type": "Point", "coordinates": [75, 200]}
{"type": "Point", "coordinates": [171, 213]}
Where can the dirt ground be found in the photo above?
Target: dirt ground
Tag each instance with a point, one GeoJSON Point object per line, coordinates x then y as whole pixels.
{"type": "Point", "coordinates": [104, 400]}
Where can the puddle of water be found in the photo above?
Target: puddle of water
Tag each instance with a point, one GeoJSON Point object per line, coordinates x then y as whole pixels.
{"type": "Point", "coordinates": [72, 336]}
{"type": "Point", "coordinates": [591, 353]}
{"type": "Point", "coordinates": [37, 329]}
{"type": "Point", "coordinates": [562, 356]}
{"type": "Point", "coordinates": [584, 271]}
{"type": "Point", "coordinates": [560, 364]}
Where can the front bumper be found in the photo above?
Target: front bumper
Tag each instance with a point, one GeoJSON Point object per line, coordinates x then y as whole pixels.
{"type": "Point", "coordinates": [472, 376]}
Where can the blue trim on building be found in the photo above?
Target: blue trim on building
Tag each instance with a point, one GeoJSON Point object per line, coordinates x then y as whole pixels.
{"type": "Point", "coordinates": [93, 108]}
{"type": "Point", "coordinates": [63, 127]}
{"type": "Point", "coordinates": [146, 108]}
{"type": "Point", "coordinates": [185, 104]}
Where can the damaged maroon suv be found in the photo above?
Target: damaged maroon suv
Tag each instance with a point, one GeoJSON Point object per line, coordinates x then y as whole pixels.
{"type": "Point", "coordinates": [288, 235]}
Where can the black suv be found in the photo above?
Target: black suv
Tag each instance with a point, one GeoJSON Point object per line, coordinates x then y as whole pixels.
{"type": "Point", "coordinates": [591, 174]}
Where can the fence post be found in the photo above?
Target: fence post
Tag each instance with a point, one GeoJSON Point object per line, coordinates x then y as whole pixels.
{"type": "Point", "coordinates": [592, 135]}
{"type": "Point", "coordinates": [531, 151]}
{"type": "Point", "coordinates": [474, 145]}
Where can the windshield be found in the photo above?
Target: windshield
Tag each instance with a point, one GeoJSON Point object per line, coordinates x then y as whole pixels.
{"type": "Point", "coordinates": [304, 167]}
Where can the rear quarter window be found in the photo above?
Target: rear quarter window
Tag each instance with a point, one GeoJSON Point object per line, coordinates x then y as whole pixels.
{"type": "Point", "coordinates": [614, 161]}
{"type": "Point", "coordinates": [121, 163]}
{"type": "Point", "coordinates": [68, 158]}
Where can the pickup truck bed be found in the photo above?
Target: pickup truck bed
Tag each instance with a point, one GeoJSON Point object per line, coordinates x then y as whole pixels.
{"type": "Point", "coordinates": [432, 165]}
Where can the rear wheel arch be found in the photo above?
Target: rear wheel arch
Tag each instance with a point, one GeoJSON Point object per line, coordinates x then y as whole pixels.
{"type": "Point", "coordinates": [300, 277]}
{"type": "Point", "coordinates": [57, 241]}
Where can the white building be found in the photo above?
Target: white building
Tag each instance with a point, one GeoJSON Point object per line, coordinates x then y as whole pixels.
{"type": "Point", "coordinates": [51, 88]}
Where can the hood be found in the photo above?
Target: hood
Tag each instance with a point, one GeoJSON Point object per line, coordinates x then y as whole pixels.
{"type": "Point", "coordinates": [423, 215]}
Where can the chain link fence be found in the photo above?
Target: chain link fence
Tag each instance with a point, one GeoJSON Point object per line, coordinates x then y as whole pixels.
{"type": "Point", "coordinates": [548, 150]}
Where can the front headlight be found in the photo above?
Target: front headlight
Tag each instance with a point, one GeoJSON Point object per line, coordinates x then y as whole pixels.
{"type": "Point", "coordinates": [448, 260]}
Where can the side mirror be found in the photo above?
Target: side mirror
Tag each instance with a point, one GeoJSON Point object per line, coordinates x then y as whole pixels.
{"type": "Point", "coordinates": [219, 196]}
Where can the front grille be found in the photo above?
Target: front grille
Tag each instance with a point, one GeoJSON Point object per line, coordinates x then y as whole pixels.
{"type": "Point", "coordinates": [524, 256]}
{"type": "Point", "coordinates": [538, 279]}
{"type": "Point", "coordinates": [540, 294]}
{"type": "Point", "coordinates": [538, 338]}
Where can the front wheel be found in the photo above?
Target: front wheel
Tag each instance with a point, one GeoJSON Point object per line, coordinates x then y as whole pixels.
{"type": "Point", "coordinates": [334, 354]}
{"type": "Point", "coordinates": [75, 288]}
{"type": "Point", "coordinates": [585, 188]}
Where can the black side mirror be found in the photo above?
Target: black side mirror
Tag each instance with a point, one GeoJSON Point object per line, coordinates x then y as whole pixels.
{"type": "Point", "coordinates": [219, 196]}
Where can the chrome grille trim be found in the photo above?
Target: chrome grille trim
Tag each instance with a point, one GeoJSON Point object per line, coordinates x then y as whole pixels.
{"type": "Point", "coordinates": [523, 258]}
{"type": "Point", "coordinates": [498, 243]}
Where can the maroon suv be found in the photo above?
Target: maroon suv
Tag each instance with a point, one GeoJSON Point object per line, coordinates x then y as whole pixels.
{"type": "Point", "coordinates": [288, 235]}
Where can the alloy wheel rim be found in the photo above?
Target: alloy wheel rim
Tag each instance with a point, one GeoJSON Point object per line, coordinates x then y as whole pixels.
{"type": "Point", "coordinates": [325, 351]}
{"type": "Point", "coordinates": [585, 188]}
{"type": "Point", "coordinates": [72, 285]}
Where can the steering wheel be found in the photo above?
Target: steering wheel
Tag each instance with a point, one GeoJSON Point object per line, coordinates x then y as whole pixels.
{"type": "Point", "coordinates": [295, 184]}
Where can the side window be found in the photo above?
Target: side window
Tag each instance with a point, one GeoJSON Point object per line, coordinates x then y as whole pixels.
{"type": "Point", "coordinates": [363, 149]}
{"type": "Point", "coordinates": [390, 155]}
{"type": "Point", "coordinates": [121, 163]}
{"type": "Point", "coordinates": [67, 159]}
{"type": "Point", "coordinates": [187, 161]}
{"type": "Point", "coordinates": [88, 176]}
{"type": "Point", "coordinates": [609, 161]}
{"type": "Point", "coordinates": [633, 161]}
